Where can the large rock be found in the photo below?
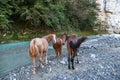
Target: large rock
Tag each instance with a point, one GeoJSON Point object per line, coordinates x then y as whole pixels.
{"type": "Point", "coordinates": [109, 14]}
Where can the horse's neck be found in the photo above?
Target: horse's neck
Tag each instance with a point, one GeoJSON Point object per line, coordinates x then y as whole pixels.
{"type": "Point", "coordinates": [47, 38]}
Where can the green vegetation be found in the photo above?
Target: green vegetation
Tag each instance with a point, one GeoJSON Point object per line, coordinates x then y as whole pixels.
{"type": "Point", "coordinates": [26, 19]}
{"type": "Point", "coordinates": [27, 37]}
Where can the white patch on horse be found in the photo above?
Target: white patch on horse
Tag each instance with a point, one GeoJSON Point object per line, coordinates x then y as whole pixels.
{"type": "Point", "coordinates": [54, 38]}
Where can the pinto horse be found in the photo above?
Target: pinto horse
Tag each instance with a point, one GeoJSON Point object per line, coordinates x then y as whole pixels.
{"type": "Point", "coordinates": [73, 43]}
{"type": "Point", "coordinates": [58, 46]}
{"type": "Point", "coordinates": [39, 47]}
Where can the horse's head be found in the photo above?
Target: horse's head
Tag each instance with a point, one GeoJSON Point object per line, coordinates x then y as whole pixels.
{"type": "Point", "coordinates": [64, 38]}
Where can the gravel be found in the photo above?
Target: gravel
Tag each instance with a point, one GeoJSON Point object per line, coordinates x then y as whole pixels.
{"type": "Point", "coordinates": [99, 59]}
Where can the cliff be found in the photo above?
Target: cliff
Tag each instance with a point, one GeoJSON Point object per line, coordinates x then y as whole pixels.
{"type": "Point", "coordinates": [109, 14]}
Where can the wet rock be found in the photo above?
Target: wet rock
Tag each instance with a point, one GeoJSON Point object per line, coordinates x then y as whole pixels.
{"type": "Point", "coordinates": [93, 56]}
{"type": "Point", "coordinates": [63, 61]}
{"type": "Point", "coordinates": [50, 69]}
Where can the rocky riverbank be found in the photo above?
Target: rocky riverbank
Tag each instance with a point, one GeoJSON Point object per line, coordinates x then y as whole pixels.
{"type": "Point", "coordinates": [99, 59]}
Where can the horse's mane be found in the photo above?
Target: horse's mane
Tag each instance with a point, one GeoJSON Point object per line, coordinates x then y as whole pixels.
{"type": "Point", "coordinates": [47, 37]}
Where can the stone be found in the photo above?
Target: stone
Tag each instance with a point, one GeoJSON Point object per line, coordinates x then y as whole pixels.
{"type": "Point", "coordinates": [62, 62]}
{"type": "Point", "coordinates": [93, 56]}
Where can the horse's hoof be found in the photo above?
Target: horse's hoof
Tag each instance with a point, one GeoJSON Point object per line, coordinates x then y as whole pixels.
{"type": "Point", "coordinates": [55, 56]}
{"type": "Point", "coordinates": [60, 55]}
{"type": "Point", "coordinates": [42, 66]}
{"type": "Point", "coordinates": [68, 67]}
{"type": "Point", "coordinates": [33, 72]}
{"type": "Point", "coordinates": [73, 68]}
{"type": "Point", "coordinates": [47, 62]}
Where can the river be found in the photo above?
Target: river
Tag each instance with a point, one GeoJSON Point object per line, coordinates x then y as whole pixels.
{"type": "Point", "coordinates": [14, 55]}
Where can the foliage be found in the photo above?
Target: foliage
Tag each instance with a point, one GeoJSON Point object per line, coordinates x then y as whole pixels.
{"type": "Point", "coordinates": [56, 15]}
{"type": "Point", "coordinates": [82, 13]}
{"type": "Point", "coordinates": [5, 12]}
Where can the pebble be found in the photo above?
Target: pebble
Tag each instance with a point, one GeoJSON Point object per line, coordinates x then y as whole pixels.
{"type": "Point", "coordinates": [62, 62]}
{"type": "Point", "coordinates": [93, 56]}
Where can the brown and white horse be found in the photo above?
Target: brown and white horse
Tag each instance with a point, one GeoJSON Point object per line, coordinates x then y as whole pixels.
{"type": "Point", "coordinates": [58, 47]}
{"type": "Point", "coordinates": [39, 47]}
{"type": "Point", "coordinates": [73, 43]}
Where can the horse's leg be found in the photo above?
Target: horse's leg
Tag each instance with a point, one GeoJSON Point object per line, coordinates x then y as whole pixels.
{"type": "Point", "coordinates": [41, 59]}
{"type": "Point", "coordinates": [72, 60]}
{"type": "Point", "coordinates": [60, 51]}
{"type": "Point", "coordinates": [68, 61]}
{"type": "Point", "coordinates": [46, 57]}
{"type": "Point", "coordinates": [68, 48]}
{"type": "Point", "coordinates": [77, 59]}
{"type": "Point", "coordinates": [56, 53]}
{"type": "Point", "coordinates": [33, 63]}
{"type": "Point", "coordinates": [55, 49]}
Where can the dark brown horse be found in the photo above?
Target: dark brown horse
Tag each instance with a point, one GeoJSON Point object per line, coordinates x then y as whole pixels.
{"type": "Point", "coordinates": [73, 43]}
{"type": "Point", "coordinates": [58, 46]}
{"type": "Point", "coordinates": [39, 47]}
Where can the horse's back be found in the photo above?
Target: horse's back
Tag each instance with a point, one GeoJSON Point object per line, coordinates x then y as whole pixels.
{"type": "Point", "coordinates": [38, 41]}
{"type": "Point", "coordinates": [58, 42]}
{"type": "Point", "coordinates": [45, 44]}
{"type": "Point", "coordinates": [42, 44]}
{"type": "Point", "coordinates": [72, 39]}
{"type": "Point", "coordinates": [38, 45]}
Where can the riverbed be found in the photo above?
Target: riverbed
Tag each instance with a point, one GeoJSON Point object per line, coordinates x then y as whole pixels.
{"type": "Point", "coordinates": [99, 59]}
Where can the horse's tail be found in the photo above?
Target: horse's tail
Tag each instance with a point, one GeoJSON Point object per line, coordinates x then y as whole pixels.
{"type": "Point", "coordinates": [83, 39]}
{"type": "Point", "coordinates": [33, 49]}
{"type": "Point", "coordinates": [80, 40]}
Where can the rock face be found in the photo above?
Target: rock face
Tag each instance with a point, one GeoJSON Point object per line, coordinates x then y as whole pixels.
{"type": "Point", "coordinates": [109, 14]}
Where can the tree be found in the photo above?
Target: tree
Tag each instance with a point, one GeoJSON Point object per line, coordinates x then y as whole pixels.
{"type": "Point", "coordinates": [82, 13]}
